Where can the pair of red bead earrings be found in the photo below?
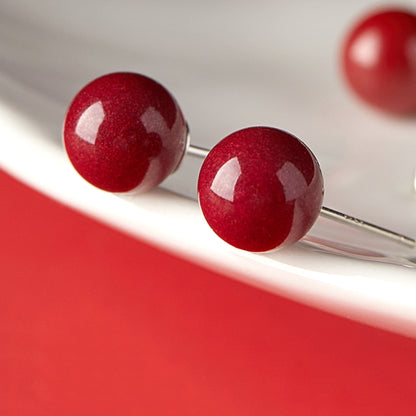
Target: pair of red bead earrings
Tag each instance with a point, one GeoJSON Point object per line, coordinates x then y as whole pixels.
{"type": "Point", "coordinates": [259, 188]}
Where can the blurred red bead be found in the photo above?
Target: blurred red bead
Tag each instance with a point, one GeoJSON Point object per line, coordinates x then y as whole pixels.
{"type": "Point", "coordinates": [379, 60]}
{"type": "Point", "coordinates": [260, 188]}
{"type": "Point", "coordinates": [123, 132]}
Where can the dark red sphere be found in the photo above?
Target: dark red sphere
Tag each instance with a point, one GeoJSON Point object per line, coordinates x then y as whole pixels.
{"type": "Point", "coordinates": [260, 188]}
{"type": "Point", "coordinates": [124, 132]}
{"type": "Point", "coordinates": [379, 60]}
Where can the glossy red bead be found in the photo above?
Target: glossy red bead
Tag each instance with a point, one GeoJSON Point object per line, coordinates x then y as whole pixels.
{"type": "Point", "coordinates": [260, 188]}
{"type": "Point", "coordinates": [379, 60]}
{"type": "Point", "coordinates": [124, 132]}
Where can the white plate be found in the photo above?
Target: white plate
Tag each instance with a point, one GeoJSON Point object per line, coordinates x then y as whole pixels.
{"type": "Point", "coordinates": [230, 65]}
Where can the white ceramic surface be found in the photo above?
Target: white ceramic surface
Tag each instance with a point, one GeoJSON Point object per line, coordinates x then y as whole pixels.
{"type": "Point", "coordinates": [230, 64]}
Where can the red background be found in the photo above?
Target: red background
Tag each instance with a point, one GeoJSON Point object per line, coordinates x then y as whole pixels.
{"type": "Point", "coordinates": [93, 322]}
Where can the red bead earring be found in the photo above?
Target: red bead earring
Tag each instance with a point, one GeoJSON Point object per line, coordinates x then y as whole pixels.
{"type": "Point", "coordinates": [124, 132]}
{"type": "Point", "coordinates": [260, 188]}
{"type": "Point", "coordinates": [379, 58]}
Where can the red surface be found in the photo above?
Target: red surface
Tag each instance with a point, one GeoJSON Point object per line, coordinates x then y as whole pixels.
{"type": "Point", "coordinates": [260, 188]}
{"type": "Point", "coordinates": [379, 58]}
{"type": "Point", "coordinates": [124, 131]}
{"type": "Point", "coordinates": [93, 322]}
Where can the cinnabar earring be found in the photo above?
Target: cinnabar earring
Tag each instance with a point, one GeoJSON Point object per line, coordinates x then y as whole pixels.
{"type": "Point", "coordinates": [260, 188]}
{"type": "Point", "coordinates": [378, 60]}
{"type": "Point", "coordinates": [125, 132]}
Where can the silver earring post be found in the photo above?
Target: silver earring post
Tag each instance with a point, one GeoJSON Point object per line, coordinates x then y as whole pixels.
{"type": "Point", "coordinates": [337, 216]}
